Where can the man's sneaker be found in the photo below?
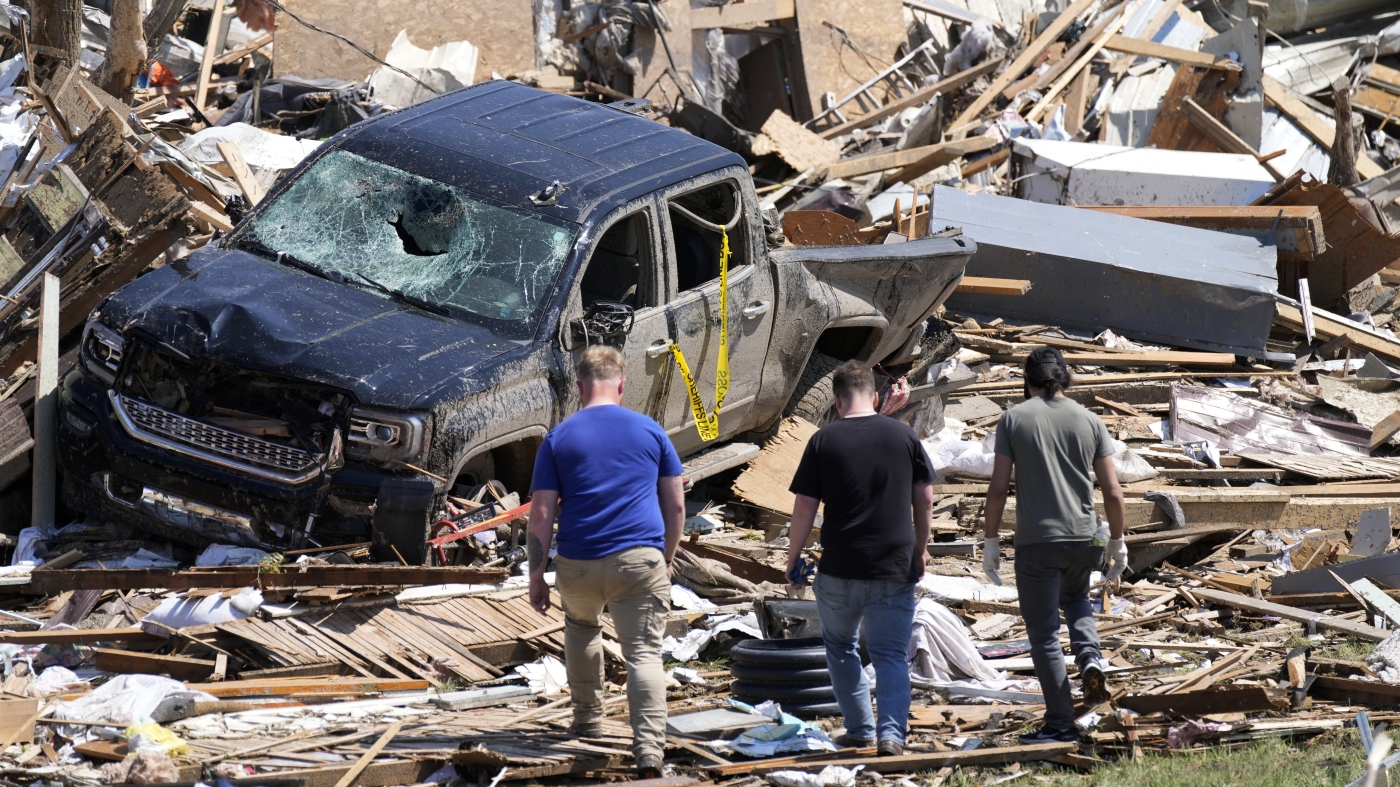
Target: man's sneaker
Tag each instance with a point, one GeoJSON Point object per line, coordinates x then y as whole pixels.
{"type": "Point", "coordinates": [847, 742]}
{"type": "Point", "coordinates": [1047, 735]}
{"type": "Point", "coordinates": [1095, 682]}
{"type": "Point", "coordinates": [649, 766]}
{"type": "Point", "coordinates": [891, 748]}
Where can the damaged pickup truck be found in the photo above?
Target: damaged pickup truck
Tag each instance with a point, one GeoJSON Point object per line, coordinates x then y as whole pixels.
{"type": "Point", "coordinates": [409, 302]}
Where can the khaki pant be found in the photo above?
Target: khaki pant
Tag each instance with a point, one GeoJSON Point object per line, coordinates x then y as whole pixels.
{"type": "Point", "coordinates": [635, 586]}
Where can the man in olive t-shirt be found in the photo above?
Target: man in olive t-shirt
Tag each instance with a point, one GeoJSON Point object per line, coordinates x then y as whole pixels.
{"type": "Point", "coordinates": [1053, 443]}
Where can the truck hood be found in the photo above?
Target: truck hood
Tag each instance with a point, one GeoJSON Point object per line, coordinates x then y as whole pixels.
{"type": "Point", "coordinates": [230, 306]}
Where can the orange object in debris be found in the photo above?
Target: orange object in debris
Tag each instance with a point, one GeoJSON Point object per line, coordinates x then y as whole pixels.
{"type": "Point", "coordinates": [162, 76]}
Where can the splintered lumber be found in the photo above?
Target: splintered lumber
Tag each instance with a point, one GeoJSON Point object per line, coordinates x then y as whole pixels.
{"type": "Point", "coordinates": [1359, 692]}
{"type": "Point", "coordinates": [178, 667]}
{"type": "Point", "coordinates": [1323, 622]}
{"type": "Point", "coordinates": [1023, 61]}
{"type": "Point", "coordinates": [1330, 326]}
{"type": "Point", "coordinates": [905, 762]}
{"type": "Point", "coordinates": [242, 175]}
{"type": "Point", "coordinates": [1147, 358]}
{"type": "Point", "coordinates": [990, 286]}
{"type": "Point", "coordinates": [354, 772]}
{"type": "Point", "coordinates": [915, 99]}
{"type": "Point", "coordinates": [250, 576]}
{"type": "Point", "coordinates": [1385, 430]}
{"type": "Point", "coordinates": [76, 636]}
{"type": "Point", "coordinates": [927, 157]}
{"type": "Point", "coordinates": [273, 687]}
{"type": "Point", "coordinates": [1321, 129]}
{"type": "Point", "coordinates": [1199, 703]}
{"type": "Point", "coordinates": [1138, 46]}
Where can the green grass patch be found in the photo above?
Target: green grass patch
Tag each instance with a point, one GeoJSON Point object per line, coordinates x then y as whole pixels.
{"type": "Point", "coordinates": [1328, 760]}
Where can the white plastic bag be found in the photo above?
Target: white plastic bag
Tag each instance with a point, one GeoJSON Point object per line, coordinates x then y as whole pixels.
{"type": "Point", "coordinates": [177, 613]}
{"type": "Point", "coordinates": [830, 776]}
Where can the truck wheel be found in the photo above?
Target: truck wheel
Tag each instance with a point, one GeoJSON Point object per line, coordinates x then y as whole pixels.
{"type": "Point", "coordinates": [813, 400]}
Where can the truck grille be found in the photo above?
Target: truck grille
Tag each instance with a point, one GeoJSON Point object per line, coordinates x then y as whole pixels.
{"type": "Point", "coordinates": [228, 448]}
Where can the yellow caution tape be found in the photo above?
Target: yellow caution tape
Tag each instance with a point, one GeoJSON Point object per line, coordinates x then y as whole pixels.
{"type": "Point", "coordinates": [707, 423]}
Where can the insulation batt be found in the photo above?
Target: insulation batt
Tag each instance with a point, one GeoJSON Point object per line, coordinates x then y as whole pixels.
{"type": "Point", "coordinates": [1385, 659]}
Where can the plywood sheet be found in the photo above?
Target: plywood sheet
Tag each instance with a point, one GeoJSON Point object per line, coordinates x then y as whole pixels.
{"type": "Point", "coordinates": [765, 482]}
{"type": "Point", "coordinates": [876, 27]}
{"type": "Point", "coordinates": [1207, 87]}
{"type": "Point", "coordinates": [502, 29]}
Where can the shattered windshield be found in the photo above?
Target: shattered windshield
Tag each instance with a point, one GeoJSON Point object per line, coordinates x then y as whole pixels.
{"type": "Point", "coordinates": [356, 219]}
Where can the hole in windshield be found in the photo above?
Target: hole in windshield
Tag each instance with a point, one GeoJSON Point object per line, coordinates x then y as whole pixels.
{"type": "Point", "coordinates": [354, 218]}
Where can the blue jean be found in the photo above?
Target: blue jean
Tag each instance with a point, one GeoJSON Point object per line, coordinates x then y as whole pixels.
{"type": "Point", "coordinates": [888, 609]}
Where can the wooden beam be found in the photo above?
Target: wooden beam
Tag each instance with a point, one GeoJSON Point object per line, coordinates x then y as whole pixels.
{"type": "Point", "coordinates": [206, 66]}
{"type": "Point", "coordinates": [906, 762]}
{"type": "Point", "coordinates": [177, 667]}
{"type": "Point", "coordinates": [1384, 430]}
{"type": "Point", "coordinates": [210, 218]}
{"type": "Point", "coordinates": [740, 14]}
{"type": "Point", "coordinates": [983, 285]}
{"type": "Point", "coordinates": [1221, 135]}
{"type": "Point", "coordinates": [354, 772]}
{"type": "Point", "coordinates": [1199, 703]}
{"type": "Point", "coordinates": [1330, 326]}
{"type": "Point", "coordinates": [234, 55]}
{"type": "Point", "coordinates": [76, 636]}
{"type": "Point", "coordinates": [1023, 61]}
{"type": "Point", "coordinates": [1052, 91]}
{"type": "Point", "coordinates": [250, 576]}
{"type": "Point", "coordinates": [927, 156]}
{"type": "Point", "coordinates": [279, 687]}
{"type": "Point", "coordinates": [242, 174]}
{"type": "Point", "coordinates": [1322, 130]}
{"type": "Point", "coordinates": [1323, 622]}
{"type": "Point", "coordinates": [1151, 358]}
{"type": "Point", "coordinates": [1144, 48]}
{"type": "Point", "coordinates": [914, 99]}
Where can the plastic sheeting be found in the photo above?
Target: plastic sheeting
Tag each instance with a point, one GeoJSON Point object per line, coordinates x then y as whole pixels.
{"type": "Point", "coordinates": [443, 69]}
{"type": "Point", "coordinates": [940, 649]}
{"type": "Point", "coordinates": [178, 613]}
{"type": "Point", "coordinates": [259, 148]}
{"type": "Point", "coordinates": [123, 700]}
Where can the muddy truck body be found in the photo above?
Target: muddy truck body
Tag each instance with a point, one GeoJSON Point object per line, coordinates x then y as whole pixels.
{"type": "Point", "coordinates": [409, 303]}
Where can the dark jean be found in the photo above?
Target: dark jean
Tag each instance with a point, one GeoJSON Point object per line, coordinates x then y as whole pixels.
{"type": "Point", "coordinates": [1051, 578]}
{"type": "Point", "coordinates": [887, 607]}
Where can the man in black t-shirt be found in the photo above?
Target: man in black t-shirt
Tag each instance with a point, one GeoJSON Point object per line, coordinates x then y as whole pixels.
{"type": "Point", "coordinates": [871, 473]}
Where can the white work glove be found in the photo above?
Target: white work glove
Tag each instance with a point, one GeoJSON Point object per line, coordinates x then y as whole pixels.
{"type": "Point", "coordinates": [991, 559]}
{"type": "Point", "coordinates": [1117, 556]}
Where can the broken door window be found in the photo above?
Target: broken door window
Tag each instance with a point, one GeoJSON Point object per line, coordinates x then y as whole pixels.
{"type": "Point", "coordinates": [620, 267]}
{"type": "Point", "coordinates": [697, 246]}
{"type": "Point", "coordinates": [355, 218]}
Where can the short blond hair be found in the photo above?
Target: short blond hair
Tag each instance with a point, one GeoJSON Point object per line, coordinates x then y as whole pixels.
{"type": "Point", "coordinates": [600, 362]}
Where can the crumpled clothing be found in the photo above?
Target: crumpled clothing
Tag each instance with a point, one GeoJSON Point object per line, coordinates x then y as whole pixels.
{"type": "Point", "coordinates": [940, 649]}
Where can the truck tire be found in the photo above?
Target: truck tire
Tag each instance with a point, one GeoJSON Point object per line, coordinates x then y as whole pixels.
{"type": "Point", "coordinates": [778, 692]}
{"type": "Point", "coordinates": [807, 653]}
{"type": "Point", "coordinates": [754, 673]}
{"type": "Point", "coordinates": [814, 400]}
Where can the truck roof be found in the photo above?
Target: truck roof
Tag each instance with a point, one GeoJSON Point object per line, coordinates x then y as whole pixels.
{"type": "Point", "coordinates": [507, 141]}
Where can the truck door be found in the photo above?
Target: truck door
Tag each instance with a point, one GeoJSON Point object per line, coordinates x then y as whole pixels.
{"type": "Point", "coordinates": [622, 267]}
{"type": "Point", "coordinates": [691, 216]}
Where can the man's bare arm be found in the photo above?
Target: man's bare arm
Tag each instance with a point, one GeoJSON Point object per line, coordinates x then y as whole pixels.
{"type": "Point", "coordinates": [670, 491]}
{"type": "Point", "coordinates": [997, 492]}
{"type": "Point", "coordinates": [539, 533]}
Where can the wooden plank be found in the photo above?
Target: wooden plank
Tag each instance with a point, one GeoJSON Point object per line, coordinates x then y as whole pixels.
{"type": "Point", "coordinates": [983, 285]}
{"type": "Point", "coordinates": [765, 482]}
{"type": "Point", "coordinates": [1143, 48]}
{"type": "Point", "coordinates": [1324, 622]}
{"type": "Point", "coordinates": [353, 773]}
{"type": "Point", "coordinates": [1322, 130]}
{"type": "Point", "coordinates": [209, 217]}
{"type": "Point", "coordinates": [1377, 598]}
{"type": "Point", "coordinates": [1356, 692]}
{"type": "Point", "coordinates": [1199, 703]}
{"type": "Point", "coordinates": [250, 576]}
{"type": "Point", "coordinates": [930, 156]}
{"type": "Point", "coordinates": [1329, 326]}
{"type": "Point", "coordinates": [77, 636]}
{"type": "Point", "coordinates": [1023, 61]}
{"type": "Point", "coordinates": [329, 686]}
{"type": "Point", "coordinates": [1185, 532]}
{"type": "Point", "coordinates": [1150, 358]}
{"type": "Point", "coordinates": [906, 762]}
{"type": "Point", "coordinates": [1384, 430]}
{"type": "Point", "coordinates": [206, 66]}
{"type": "Point", "coordinates": [1052, 91]}
{"type": "Point", "coordinates": [916, 98]}
{"type": "Point", "coordinates": [242, 175]}
{"type": "Point", "coordinates": [178, 667]}
{"type": "Point", "coordinates": [752, 12]}
{"type": "Point", "coordinates": [45, 454]}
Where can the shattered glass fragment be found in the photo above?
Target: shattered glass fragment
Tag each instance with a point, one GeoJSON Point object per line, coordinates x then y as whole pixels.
{"type": "Point", "coordinates": [356, 218]}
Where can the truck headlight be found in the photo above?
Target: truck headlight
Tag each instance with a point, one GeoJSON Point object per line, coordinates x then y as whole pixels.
{"type": "Point", "coordinates": [102, 351]}
{"type": "Point", "coordinates": [383, 436]}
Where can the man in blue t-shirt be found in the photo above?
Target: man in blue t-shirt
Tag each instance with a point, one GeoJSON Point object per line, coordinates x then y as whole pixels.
{"type": "Point", "coordinates": [614, 479]}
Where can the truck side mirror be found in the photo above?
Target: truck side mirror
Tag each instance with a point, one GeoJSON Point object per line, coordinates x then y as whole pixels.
{"type": "Point", "coordinates": [605, 322]}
